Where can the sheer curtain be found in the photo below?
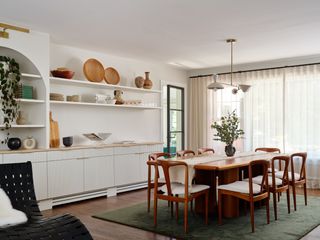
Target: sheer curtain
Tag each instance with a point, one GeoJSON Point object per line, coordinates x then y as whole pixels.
{"type": "Point", "coordinates": [199, 112]}
{"type": "Point", "coordinates": [302, 117]}
{"type": "Point", "coordinates": [263, 109]}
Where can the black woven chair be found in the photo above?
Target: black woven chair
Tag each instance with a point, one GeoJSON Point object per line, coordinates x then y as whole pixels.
{"type": "Point", "coordinates": [16, 180]}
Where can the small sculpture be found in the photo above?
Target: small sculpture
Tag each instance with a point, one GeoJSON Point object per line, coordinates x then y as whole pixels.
{"type": "Point", "coordinates": [118, 96]}
{"type": "Point", "coordinates": [139, 81]}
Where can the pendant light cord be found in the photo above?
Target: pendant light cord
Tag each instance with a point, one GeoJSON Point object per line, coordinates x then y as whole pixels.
{"type": "Point", "coordinates": [231, 67]}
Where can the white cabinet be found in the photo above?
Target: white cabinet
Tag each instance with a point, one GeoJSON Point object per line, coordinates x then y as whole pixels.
{"type": "Point", "coordinates": [65, 177]}
{"type": "Point", "coordinates": [127, 169]}
{"type": "Point", "coordinates": [39, 170]}
{"type": "Point", "coordinates": [98, 173]}
{"type": "Point", "coordinates": [143, 167]}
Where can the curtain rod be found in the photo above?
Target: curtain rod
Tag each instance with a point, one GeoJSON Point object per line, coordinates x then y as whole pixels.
{"type": "Point", "coordinates": [258, 69]}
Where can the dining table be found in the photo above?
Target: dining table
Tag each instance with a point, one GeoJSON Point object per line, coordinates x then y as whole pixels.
{"type": "Point", "coordinates": [215, 169]}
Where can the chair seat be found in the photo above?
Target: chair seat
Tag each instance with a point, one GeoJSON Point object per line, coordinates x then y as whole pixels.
{"type": "Point", "coordinates": [280, 175]}
{"type": "Point", "coordinates": [178, 188]}
{"type": "Point", "coordinates": [270, 170]}
{"type": "Point", "coordinates": [258, 180]}
{"type": "Point", "coordinates": [241, 187]}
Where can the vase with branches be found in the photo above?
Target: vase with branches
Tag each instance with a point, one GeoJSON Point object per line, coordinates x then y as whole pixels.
{"type": "Point", "coordinates": [227, 131]}
{"type": "Point", "coordinates": [9, 83]}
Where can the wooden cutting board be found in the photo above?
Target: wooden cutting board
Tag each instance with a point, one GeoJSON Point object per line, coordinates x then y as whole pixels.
{"type": "Point", "coordinates": [54, 133]}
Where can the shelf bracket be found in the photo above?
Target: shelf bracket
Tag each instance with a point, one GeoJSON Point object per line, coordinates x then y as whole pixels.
{"type": "Point", "coordinates": [4, 34]}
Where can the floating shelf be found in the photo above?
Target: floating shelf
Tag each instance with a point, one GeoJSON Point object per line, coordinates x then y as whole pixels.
{"type": "Point", "coordinates": [27, 75]}
{"type": "Point", "coordinates": [63, 81]}
{"type": "Point", "coordinates": [25, 126]}
{"type": "Point", "coordinates": [22, 100]}
{"type": "Point", "coordinates": [103, 105]}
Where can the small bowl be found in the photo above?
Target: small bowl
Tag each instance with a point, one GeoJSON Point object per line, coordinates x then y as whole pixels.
{"type": "Point", "coordinates": [67, 141]}
{"type": "Point", "coordinates": [62, 73]}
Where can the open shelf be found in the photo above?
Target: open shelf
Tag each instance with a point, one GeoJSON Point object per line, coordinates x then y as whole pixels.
{"type": "Point", "coordinates": [22, 100]}
{"type": "Point", "coordinates": [103, 105]}
{"type": "Point", "coordinates": [27, 75]}
{"type": "Point", "coordinates": [63, 81]}
{"type": "Point", "coordinates": [25, 126]}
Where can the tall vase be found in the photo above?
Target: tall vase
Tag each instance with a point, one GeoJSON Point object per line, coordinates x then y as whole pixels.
{"type": "Point", "coordinates": [147, 82]}
{"type": "Point", "coordinates": [230, 150]}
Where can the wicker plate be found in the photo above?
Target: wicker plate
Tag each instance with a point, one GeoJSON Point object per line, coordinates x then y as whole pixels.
{"type": "Point", "coordinates": [111, 76]}
{"type": "Point", "coordinates": [93, 70]}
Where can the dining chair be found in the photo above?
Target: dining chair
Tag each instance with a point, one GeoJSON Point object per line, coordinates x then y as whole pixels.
{"type": "Point", "coordinates": [248, 190]}
{"type": "Point", "coordinates": [184, 153]}
{"type": "Point", "coordinates": [265, 149]}
{"type": "Point", "coordinates": [280, 186]}
{"type": "Point", "coordinates": [152, 158]}
{"type": "Point", "coordinates": [296, 179]}
{"type": "Point", "coordinates": [177, 192]}
{"type": "Point", "coordinates": [205, 150]}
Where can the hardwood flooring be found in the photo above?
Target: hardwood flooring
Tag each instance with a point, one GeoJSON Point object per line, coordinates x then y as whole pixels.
{"type": "Point", "coordinates": [103, 230]}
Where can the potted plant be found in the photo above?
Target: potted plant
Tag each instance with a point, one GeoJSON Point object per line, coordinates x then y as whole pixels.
{"type": "Point", "coordinates": [9, 83]}
{"type": "Point", "coordinates": [228, 131]}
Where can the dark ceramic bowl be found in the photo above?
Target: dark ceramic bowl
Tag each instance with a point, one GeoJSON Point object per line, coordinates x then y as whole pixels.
{"type": "Point", "coordinates": [62, 73]}
{"type": "Point", "coordinates": [14, 143]}
{"type": "Point", "coordinates": [67, 141]}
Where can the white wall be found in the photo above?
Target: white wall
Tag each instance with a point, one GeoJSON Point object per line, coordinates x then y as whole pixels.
{"type": "Point", "coordinates": [131, 124]}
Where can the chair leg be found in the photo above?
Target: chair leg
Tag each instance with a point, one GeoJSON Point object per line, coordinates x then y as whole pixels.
{"type": "Point", "coordinates": [275, 205]}
{"type": "Point", "coordinates": [294, 196]}
{"type": "Point", "coordinates": [206, 206]}
{"type": "Point", "coordinates": [149, 196]}
{"type": "Point", "coordinates": [171, 205]}
{"type": "Point", "coordinates": [268, 210]}
{"type": "Point", "coordinates": [305, 193]}
{"type": "Point", "coordinates": [191, 206]}
{"type": "Point", "coordinates": [155, 209]}
{"type": "Point", "coordinates": [220, 207]}
{"type": "Point", "coordinates": [279, 194]}
{"type": "Point", "coordinates": [186, 216]}
{"type": "Point", "coordinates": [252, 215]}
{"type": "Point", "coordinates": [177, 210]}
{"type": "Point", "coordinates": [288, 200]}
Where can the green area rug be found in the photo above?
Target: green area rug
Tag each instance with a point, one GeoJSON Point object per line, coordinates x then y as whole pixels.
{"type": "Point", "coordinates": [287, 227]}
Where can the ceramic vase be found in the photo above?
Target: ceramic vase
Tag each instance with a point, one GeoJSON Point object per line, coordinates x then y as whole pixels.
{"type": "Point", "coordinates": [21, 119]}
{"type": "Point", "coordinates": [139, 81]}
{"type": "Point", "coordinates": [29, 143]}
{"type": "Point", "coordinates": [230, 150]}
{"type": "Point", "coordinates": [147, 82]}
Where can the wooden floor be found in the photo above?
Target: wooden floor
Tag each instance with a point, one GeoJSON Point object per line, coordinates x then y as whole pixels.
{"type": "Point", "coordinates": [103, 230]}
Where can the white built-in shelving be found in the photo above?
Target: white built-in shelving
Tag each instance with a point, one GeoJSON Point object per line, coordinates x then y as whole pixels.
{"type": "Point", "coordinates": [62, 81]}
{"type": "Point", "coordinates": [25, 126]}
{"type": "Point", "coordinates": [30, 76]}
{"type": "Point", "coordinates": [22, 100]}
{"type": "Point", "coordinates": [103, 105]}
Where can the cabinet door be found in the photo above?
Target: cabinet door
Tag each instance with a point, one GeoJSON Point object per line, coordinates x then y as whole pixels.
{"type": "Point", "coordinates": [98, 173]}
{"type": "Point", "coordinates": [65, 177]}
{"type": "Point", "coordinates": [127, 169]}
{"type": "Point", "coordinates": [40, 180]}
{"type": "Point", "coordinates": [144, 166]}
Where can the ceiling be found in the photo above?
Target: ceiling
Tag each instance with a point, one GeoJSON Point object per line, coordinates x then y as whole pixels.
{"type": "Point", "coordinates": [186, 33]}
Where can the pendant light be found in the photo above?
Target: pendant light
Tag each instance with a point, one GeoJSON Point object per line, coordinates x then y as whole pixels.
{"type": "Point", "coordinates": [216, 86]}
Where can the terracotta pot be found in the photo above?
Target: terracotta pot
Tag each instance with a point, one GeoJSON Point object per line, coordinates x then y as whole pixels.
{"type": "Point", "coordinates": [147, 81]}
{"type": "Point", "coordinates": [139, 81]}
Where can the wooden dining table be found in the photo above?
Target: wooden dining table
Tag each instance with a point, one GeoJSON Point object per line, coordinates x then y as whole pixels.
{"type": "Point", "coordinates": [216, 170]}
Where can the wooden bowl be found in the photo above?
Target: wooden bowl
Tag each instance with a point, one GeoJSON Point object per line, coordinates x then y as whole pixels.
{"type": "Point", "coordinates": [62, 73]}
{"type": "Point", "coordinates": [93, 70]}
{"type": "Point", "coordinates": [111, 76]}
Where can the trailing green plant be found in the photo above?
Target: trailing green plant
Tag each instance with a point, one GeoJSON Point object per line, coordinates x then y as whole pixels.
{"type": "Point", "coordinates": [9, 83]}
{"type": "Point", "coordinates": [228, 129]}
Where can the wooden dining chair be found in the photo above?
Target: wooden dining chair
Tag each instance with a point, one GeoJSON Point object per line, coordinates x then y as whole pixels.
{"type": "Point", "coordinates": [296, 179]}
{"type": "Point", "coordinates": [152, 158]}
{"type": "Point", "coordinates": [282, 185]}
{"type": "Point", "coordinates": [248, 190]}
{"type": "Point", "coordinates": [269, 150]}
{"type": "Point", "coordinates": [184, 153]}
{"type": "Point", "coordinates": [205, 150]}
{"type": "Point", "coordinates": [177, 192]}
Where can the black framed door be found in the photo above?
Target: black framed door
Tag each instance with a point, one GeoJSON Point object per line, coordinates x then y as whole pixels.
{"type": "Point", "coordinates": [175, 119]}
